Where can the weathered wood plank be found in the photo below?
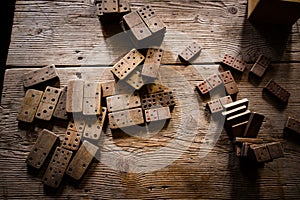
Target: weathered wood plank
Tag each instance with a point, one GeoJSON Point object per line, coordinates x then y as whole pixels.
{"type": "Point", "coordinates": [69, 33]}
{"type": "Point", "coordinates": [193, 174]}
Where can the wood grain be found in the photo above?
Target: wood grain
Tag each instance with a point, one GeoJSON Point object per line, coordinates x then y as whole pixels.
{"type": "Point", "coordinates": [200, 169]}
{"type": "Point", "coordinates": [69, 33]}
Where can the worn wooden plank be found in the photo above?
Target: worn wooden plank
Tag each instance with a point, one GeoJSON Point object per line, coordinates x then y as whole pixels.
{"type": "Point", "coordinates": [72, 34]}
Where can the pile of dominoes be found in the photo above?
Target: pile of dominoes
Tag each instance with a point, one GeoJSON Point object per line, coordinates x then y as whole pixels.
{"type": "Point", "coordinates": [239, 122]}
{"type": "Point", "coordinates": [143, 26]}
{"type": "Point", "coordinates": [127, 101]}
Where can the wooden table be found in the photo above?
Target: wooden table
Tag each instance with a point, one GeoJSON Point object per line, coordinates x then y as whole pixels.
{"type": "Point", "coordinates": [192, 157]}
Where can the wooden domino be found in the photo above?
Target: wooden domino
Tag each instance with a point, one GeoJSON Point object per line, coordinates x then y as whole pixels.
{"type": "Point", "coordinates": [41, 148]}
{"type": "Point", "coordinates": [82, 160]}
{"type": "Point", "coordinates": [60, 109]}
{"type": "Point", "coordinates": [156, 114]}
{"type": "Point", "coordinates": [293, 125]}
{"type": "Point", "coordinates": [40, 75]}
{"type": "Point", "coordinates": [217, 105]}
{"type": "Point", "coordinates": [127, 64]}
{"type": "Point", "coordinates": [277, 91]}
{"type": "Point", "coordinates": [92, 98]}
{"type": "Point", "coordinates": [30, 105]}
{"type": "Point", "coordinates": [94, 126]}
{"type": "Point", "coordinates": [135, 79]}
{"type": "Point", "coordinates": [226, 77]}
{"type": "Point", "coordinates": [260, 66]}
{"type": "Point", "coordinates": [164, 99]}
{"type": "Point", "coordinates": [245, 149]}
{"type": "Point", "coordinates": [57, 167]}
{"type": "Point", "coordinates": [254, 124]}
{"type": "Point", "coordinates": [249, 140]}
{"type": "Point", "coordinates": [74, 102]}
{"type": "Point", "coordinates": [48, 103]}
{"type": "Point", "coordinates": [234, 62]}
{"type": "Point", "coordinates": [204, 87]}
{"type": "Point", "coordinates": [126, 118]}
{"type": "Point", "coordinates": [153, 22]}
{"type": "Point", "coordinates": [275, 149]}
{"type": "Point", "coordinates": [123, 102]}
{"type": "Point", "coordinates": [152, 63]}
{"type": "Point", "coordinates": [236, 104]}
{"type": "Point", "coordinates": [190, 52]}
{"type": "Point", "coordinates": [260, 152]}
{"type": "Point", "coordinates": [110, 6]}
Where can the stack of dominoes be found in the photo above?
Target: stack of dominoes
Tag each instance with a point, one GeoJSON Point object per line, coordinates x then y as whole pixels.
{"type": "Point", "coordinates": [256, 150]}
{"type": "Point", "coordinates": [62, 160]}
{"type": "Point", "coordinates": [145, 26]}
{"type": "Point", "coordinates": [112, 10]}
{"type": "Point", "coordinates": [216, 80]}
{"type": "Point", "coordinates": [241, 122]}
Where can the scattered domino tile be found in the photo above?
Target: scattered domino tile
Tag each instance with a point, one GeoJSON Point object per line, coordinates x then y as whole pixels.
{"type": "Point", "coordinates": [156, 114]}
{"type": "Point", "coordinates": [40, 75]}
{"type": "Point", "coordinates": [234, 62]}
{"type": "Point", "coordinates": [249, 140]}
{"type": "Point", "coordinates": [112, 8]}
{"type": "Point", "coordinates": [277, 91]}
{"type": "Point", "coordinates": [190, 52]}
{"type": "Point", "coordinates": [94, 127]}
{"type": "Point", "coordinates": [156, 87]}
{"type": "Point", "coordinates": [60, 109]}
{"type": "Point", "coordinates": [164, 99]}
{"type": "Point", "coordinates": [57, 167]}
{"type": "Point", "coordinates": [92, 98]}
{"type": "Point", "coordinates": [152, 63]}
{"type": "Point", "coordinates": [82, 160]}
{"type": "Point", "coordinates": [229, 83]}
{"type": "Point", "coordinates": [123, 102]}
{"type": "Point", "coordinates": [126, 118]}
{"type": "Point", "coordinates": [30, 105]}
{"type": "Point", "coordinates": [293, 124]}
{"type": "Point", "coordinates": [127, 64]}
{"type": "Point", "coordinates": [144, 25]}
{"type": "Point", "coordinates": [225, 100]}
{"type": "Point", "coordinates": [41, 148]}
{"type": "Point", "coordinates": [48, 103]}
{"type": "Point", "coordinates": [260, 66]}
{"type": "Point", "coordinates": [74, 102]}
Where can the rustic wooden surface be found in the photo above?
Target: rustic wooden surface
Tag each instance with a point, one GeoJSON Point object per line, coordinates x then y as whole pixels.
{"type": "Point", "coordinates": [68, 33]}
{"type": "Point", "coordinates": [191, 175]}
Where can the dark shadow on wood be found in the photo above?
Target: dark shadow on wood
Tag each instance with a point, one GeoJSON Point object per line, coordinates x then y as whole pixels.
{"type": "Point", "coordinates": [7, 8]}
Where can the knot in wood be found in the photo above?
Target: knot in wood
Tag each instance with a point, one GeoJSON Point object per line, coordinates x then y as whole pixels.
{"type": "Point", "coordinates": [232, 10]}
